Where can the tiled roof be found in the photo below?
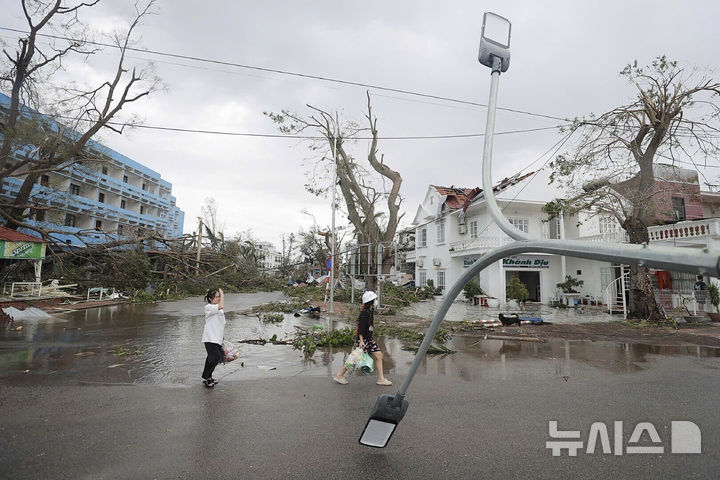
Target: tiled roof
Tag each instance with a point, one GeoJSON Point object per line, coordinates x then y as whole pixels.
{"type": "Point", "coordinates": [457, 197]}
{"type": "Point", "coordinates": [10, 235]}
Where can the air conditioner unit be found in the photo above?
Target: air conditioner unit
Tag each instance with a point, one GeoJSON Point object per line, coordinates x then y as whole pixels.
{"type": "Point", "coordinates": [420, 263]}
{"type": "Point", "coordinates": [436, 262]}
{"type": "Point", "coordinates": [462, 228]}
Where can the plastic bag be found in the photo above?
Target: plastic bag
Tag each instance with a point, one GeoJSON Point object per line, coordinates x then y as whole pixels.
{"type": "Point", "coordinates": [231, 351]}
{"type": "Point", "coordinates": [366, 365]}
{"type": "Point", "coordinates": [354, 358]}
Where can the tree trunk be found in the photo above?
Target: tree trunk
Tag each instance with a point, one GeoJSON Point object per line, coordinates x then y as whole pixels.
{"type": "Point", "coordinates": [642, 297]}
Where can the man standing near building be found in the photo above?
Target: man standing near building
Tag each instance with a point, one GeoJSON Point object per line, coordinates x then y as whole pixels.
{"type": "Point", "coordinates": [700, 288]}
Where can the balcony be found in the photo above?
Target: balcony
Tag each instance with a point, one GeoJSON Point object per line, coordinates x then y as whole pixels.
{"type": "Point", "coordinates": [690, 232]}
{"type": "Point", "coordinates": [477, 245]}
{"type": "Point", "coordinates": [614, 236]}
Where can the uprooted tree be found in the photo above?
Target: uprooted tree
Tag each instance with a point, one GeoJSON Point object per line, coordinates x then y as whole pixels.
{"type": "Point", "coordinates": [362, 189]}
{"type": "Point", "coordinates": [612, 168]}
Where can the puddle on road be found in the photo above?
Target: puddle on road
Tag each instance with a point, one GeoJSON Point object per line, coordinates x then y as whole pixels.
{"type": "Point", "coordinates": [460, 310]}
{"type": "Point", "coordinates": [160, 344]}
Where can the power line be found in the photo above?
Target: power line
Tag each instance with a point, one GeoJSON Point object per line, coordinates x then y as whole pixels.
{"type": "Point", "coordinates": [300, 137]}
{"type": "Point", "coordinates": [293, 74]}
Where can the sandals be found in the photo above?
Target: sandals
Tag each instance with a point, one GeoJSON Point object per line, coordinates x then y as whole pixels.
{"type": "Point", "coordinates": [210, 382]}
{"type": "Point", "coordinates": [341, 380]}
{"type": "Point", "coordinates": [385, 382]}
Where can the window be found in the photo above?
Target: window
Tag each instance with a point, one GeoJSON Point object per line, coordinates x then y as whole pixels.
{"type": "Point", "coordinates": [98, 225]}
{"type": "Point", "coordinates": [74, 189]}
{"type": "Point", "coordinates": [70, 220]}
{"type": "Point", "coordinates": [607, 225]}
{"type": "Point", "coordinates": [44, 180]}
{"type": "Point", "coordinates": [38, 215]}
{"type": "Point", "coordinates": [473, 229]}
{"type": "Point", "coordinates": [554, 227]}
{"type": "Point", "coordinates": [144, 187]}
{"type": "Point", "coordinates": [519, 223]}
{"type": "Point", "coordinates": [101, 197]}
{"type": "Point", "coordinates": [142, 209]}
{"type": "Point", "coordinates": [441, 279]}
{"type": "Point", "coordinates": [678, 204]}
{"type": "Point", "coordinates": [120, 229]}
{"type": "Point", "coordinates": [423, 238]}
{"type": "Point", "coordinates": [104, 170]}
{"type": "Point", "coordinates": [422, 278]}
{"type": "Point", "coordinates": [125, 179]}
{"type": "Point", "coordinates": [122, 203]}
{"type": "Point", "coordinates": [441, 232]}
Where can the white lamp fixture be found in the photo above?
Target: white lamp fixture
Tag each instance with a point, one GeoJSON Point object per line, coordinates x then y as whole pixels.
{"type": "Point", "coordinates": [495, 41]}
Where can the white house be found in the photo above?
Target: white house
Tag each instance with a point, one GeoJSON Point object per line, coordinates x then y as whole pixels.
{"type": "Point", "coordinates": [453, 229]}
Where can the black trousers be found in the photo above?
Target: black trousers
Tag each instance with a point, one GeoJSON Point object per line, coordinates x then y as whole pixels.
{"type": "Point", "coordinates": [214, 356]}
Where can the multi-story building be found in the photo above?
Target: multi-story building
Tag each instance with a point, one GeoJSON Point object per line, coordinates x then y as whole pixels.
{"type": "Point", "coordinates": [267, 256]}
{"type": "Point", "coordinates": [108, 197]}
{"type": "Point", "coordinates": [453, 229]}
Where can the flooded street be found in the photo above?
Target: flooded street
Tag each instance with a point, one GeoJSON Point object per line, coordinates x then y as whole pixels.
{"type": "Point", "coordinates": [461, 310]}
{"type": "Point", "coordinates": [160, 344]}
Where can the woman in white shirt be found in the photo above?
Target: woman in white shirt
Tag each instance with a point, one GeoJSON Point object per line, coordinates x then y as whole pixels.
{"type": "Point", "coordinates": [213, 334]}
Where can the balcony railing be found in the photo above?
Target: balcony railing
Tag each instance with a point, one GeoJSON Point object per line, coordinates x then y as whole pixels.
{"type": "Point", "coordinates": [694, 229]}
{"type": "Point", "coordinates": [478, 243]}
{"type": "Point", "coordinates": [615, 236]}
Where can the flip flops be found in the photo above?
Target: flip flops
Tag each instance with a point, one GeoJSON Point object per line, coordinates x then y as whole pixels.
{"type": "Point", "coordinates": [341, 380]}
{"type": "Point", "coordinates": [385, 382]}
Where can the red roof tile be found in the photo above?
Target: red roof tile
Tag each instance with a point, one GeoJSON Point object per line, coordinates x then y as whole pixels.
{"type": "Point", "coordinates": [457, 197]}
{"type": "Point", "coordinates": [10, 235]}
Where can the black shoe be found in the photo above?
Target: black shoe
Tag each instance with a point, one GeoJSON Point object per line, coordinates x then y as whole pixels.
{"type": "Point", "coordinates": [209, 382]}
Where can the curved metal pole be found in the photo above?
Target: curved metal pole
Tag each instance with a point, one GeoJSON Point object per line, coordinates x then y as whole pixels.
{"type": "Point", "coordinates": [492, 205]}
{"type": "Point", "coordinates": [666, 258]}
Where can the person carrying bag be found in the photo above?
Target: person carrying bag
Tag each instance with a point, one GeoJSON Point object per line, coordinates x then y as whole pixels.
{"type": "Point", "coordinates": [365, 341]}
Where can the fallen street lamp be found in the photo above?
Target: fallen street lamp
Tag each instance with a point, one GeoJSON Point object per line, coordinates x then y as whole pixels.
{"type": "Point", "coordinates": [386, 414]}
{"type": "Point", "coordinates": [389, 410]}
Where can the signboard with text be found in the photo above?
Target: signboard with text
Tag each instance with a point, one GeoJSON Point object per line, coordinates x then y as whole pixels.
{"type": "Point", "coordinates": [26, 250]}
{"type": "Point", "coordinates": [526, 262]}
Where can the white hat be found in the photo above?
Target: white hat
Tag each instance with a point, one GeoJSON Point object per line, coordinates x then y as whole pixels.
{"type": "Point", "coordinates": [368, 296]}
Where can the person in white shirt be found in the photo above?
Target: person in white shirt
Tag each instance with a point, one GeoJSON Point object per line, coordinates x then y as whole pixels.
{"type": "Point", "coordinates": [213, 334]}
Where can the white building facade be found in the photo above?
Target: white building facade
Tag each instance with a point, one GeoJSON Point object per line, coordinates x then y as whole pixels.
{"type": "Point", "coordinates": [453, 229]}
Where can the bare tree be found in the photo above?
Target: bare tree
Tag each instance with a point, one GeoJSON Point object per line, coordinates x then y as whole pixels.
{"type": "Point", "coordinates": [33, 142]}
{"type": "Point", "coordinates": [361, 191]}
{"type": "Point", "coordinates": [611, 170]}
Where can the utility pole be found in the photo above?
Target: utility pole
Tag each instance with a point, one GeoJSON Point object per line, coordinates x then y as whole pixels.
{"type": "Point", "coordinates": [199, 245]}
{"type": "Point", "coordinates": [332, 253]}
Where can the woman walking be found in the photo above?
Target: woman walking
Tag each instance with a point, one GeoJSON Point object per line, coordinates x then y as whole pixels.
{"type": "Point", "coordinates": [213, 334]}
{"type": "Point", "coordinates": [365, 340]}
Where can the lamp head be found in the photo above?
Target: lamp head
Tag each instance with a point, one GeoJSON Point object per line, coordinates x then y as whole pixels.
{"type": "Point", "coordinates": [495, 41]}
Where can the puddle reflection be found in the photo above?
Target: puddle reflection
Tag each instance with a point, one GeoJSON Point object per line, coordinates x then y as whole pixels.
{"type": "Point", "coordinates": [160, 344]}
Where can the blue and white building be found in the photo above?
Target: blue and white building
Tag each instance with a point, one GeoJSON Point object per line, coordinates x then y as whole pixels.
{"type": "Point", "coordinates": [109, 197]}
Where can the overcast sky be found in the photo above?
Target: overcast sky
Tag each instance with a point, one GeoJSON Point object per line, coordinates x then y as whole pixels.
{"type": "Point", "coordinates": [566, 56]}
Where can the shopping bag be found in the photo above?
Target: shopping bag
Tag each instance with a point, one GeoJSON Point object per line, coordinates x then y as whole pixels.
{"type": "Point", "coordinates": [354, 358]}
{"type": "Point", "coordinates": [366, 365]}
{"type": "Point", "coordinates": [231, 351]}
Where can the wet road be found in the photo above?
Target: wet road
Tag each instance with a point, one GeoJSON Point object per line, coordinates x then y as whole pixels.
{"type": "Point", "coordinates": [160, 344]}
{"type": "Point", "coordinates": [482, 412]}
{"type": "Point", "coordinates": [460, 310]}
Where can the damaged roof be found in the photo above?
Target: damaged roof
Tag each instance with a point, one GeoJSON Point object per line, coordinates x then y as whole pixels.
{"type": "Point", "coordinates": [458, 197]}
{"type": "Point", "coordinates": [10, 235]}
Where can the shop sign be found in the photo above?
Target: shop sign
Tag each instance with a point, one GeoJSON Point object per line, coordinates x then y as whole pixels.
{"type": "Point", "coordinates": [526, 262]}
{"type": "Point", "coordinates": [467, 262]}
{"type": "Point", "coordinates": [22, 250]}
